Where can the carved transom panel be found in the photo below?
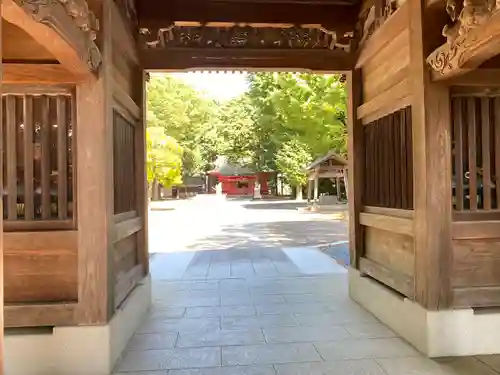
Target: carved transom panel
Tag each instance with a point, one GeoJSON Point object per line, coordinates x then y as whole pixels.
{"type": "Point", "coordinates": [237, 36]}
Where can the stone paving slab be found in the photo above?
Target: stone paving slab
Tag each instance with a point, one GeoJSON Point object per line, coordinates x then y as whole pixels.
{"type": "Point", "coordinates": [260, 322]}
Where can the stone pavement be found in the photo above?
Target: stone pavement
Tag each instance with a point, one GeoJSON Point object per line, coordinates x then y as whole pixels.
{"type": "Point", "coordinates": [268, 311]}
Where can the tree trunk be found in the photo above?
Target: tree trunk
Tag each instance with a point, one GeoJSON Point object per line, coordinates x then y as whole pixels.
{"type": "Point", "coordinates": [298, 193]}
{"type": "Point", "coordinates": [155, 191]}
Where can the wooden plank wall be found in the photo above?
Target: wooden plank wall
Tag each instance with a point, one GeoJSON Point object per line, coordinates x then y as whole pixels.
{"type": "Point", "coordinates": [387, 216]}
{"type": "Point", "coordinates": [41, 267]}
{"type": "Point", "coordinates": [384, 62]}
{"type": "Point", "coordinates": [129, 243]}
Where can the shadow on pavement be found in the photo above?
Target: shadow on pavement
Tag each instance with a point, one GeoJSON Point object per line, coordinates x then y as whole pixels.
{"type": "Point", "coordinates": [275, 234]}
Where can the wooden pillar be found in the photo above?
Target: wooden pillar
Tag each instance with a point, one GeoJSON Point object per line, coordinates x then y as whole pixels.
{"type": "Point", "coordinates": [316, 188]}
{"type": "Point", "coordinates": [95, 189]}
{"type": "Point", "coordinates": [309, 190]}
{"type": "Point", "coordinates": [1, 216]}
{"type": "Point", "coordinates": [141, 177]}
{"type": "Point", "coordinates": [432, 166]}
{"type": "Point", "coordinates": [337, 186]}
{"type": "Point", "coordinates": [356, 165]}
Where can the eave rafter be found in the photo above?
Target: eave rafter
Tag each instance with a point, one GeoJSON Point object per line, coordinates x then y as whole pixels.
{"type": "Point", "coordinates": [66, 28]}
{"type": "Point", "coordinates": [473, 37]}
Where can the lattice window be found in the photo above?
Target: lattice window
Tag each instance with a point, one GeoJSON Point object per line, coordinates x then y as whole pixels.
{"type": "Point", "coordinates": [388, 173]}
{"type": "Point", "coordinates": [38, 168]}
{"type": "Point", "coordinates": [476, 153]}
{"type": "Point", "coordinates": [124, 164]}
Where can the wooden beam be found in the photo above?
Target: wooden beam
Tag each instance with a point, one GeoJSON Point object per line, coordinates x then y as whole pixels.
{"type": "Point", "coordinates": [68, 44]}
{"type": "Point", "coordinates": [37, 74]}
{"type": "Point", "coordinates": [127, 228]}
{"type": "Point", "coordinates": [431, 128]}
{"type": "Point", "coordinates": [400, 282]}
{"type": "Point", "coordinates": [388, 223]}
{"type": "Point", "coordinates": [475, 230]}
{"type": "Point", "coordinates": [342, 17]}
{"type": "Point", "coordinates": [468, 51]}
{"type": "Point", "coordinates": [477, 78]}
{"type": "Point", "coordinates": [394, 94]}
{"type": "Point", "coordinates": [355, 167]}
{"type": "Point", "coordinates": [406, 214]}
{"type": "Point", "coordinates": [486, 296]}
{"type": "Point", "coordinates": [40, 315]}
{"type": "Point", "coordinates": [284, 59]}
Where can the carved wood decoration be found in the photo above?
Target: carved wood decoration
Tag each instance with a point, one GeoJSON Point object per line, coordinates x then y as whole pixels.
{"type": "Point", "coordinates": [472, 37]}
{"type": "Point", "coordinates": [247, 36]}
{"type": "Point", "coordinates": [71, 19]}
{"type": "Point", "coordinates": [373, 17]}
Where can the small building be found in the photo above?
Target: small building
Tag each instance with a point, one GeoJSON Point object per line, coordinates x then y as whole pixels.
{"type": "Point", "coordinates": [236, 180]}
{"type": "Point", "coordinates": [331, 166]}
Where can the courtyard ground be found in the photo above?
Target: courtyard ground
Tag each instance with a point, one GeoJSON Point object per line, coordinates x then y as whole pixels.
{"type": "Point", "coordinates": [243, 288]}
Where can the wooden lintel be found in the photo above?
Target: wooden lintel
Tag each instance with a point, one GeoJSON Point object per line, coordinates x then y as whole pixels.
{"type": "Point", "coordinates": [468, 51]}
{"type": "Point", "coordinates": [388, 223]}
{"type": "Point", "coordinates": [41, 74]}
{"type": "Point", "coordinates": [154, 14]}
{"type": "Point", "coordinates": [333, 61]}
{"type": "Point", "coordinates": [396, 93]}
{"type": "Point", "coordinates": [400, 282]}
{"type": "Point", "coordinates": [390, 30]}
{"type": "Point", "coordinates": [58, 33]}
{"type": "Point", "coordinates": [40, 315]}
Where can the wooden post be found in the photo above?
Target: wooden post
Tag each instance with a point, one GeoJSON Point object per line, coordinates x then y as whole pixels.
{"type": "Point", "coordinates": [141, 177]}
{"type": "Point", "coordinates": [356, 160]}
{"type": "Point", "coordinates": [95, 190]}
{"type": "Point", "coordinates": [337, 186]}
{"type": "Point", "coordinates": [432, 167]}
{"type": "Point", "coordinates": [1, 217]}
{"type": "Point", "coordinates": [309, 190]}
{"type": "Point", "coordinates": [316, 187]}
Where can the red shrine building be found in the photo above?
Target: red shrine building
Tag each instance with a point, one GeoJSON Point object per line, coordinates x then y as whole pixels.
{"type": "Point", "coordinates": [238, 181]}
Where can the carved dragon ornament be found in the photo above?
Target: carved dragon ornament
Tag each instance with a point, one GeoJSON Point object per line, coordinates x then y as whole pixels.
{"type": "Point", "coordinates": [71, 19]}
{"type": "Point", "coordinates": [465, 17]}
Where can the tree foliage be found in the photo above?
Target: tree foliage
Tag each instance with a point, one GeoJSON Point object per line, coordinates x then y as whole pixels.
{"type": "Point", "coordinates": [297, 112]}
{"type": "Point", "coordinates": [282, 122]}
{"type": "Point", "coordinates": [164, 158]}
{"type": "Point", "coordinates": [188, 117]}
{"type": "Point", "coordinates": [291, 158]}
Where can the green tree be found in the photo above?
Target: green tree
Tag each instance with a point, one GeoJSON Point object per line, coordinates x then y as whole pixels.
{"type": "Point", "coordinates": [297, 114]}
{"type": "Point", "coordinates": [237, 133]}
{"type": "Point", "coordinates": [291, 159]}
{"type": "Point", "coordinates": [187, 116]}
{"type": "Point", "coordinates": [164, 159]}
